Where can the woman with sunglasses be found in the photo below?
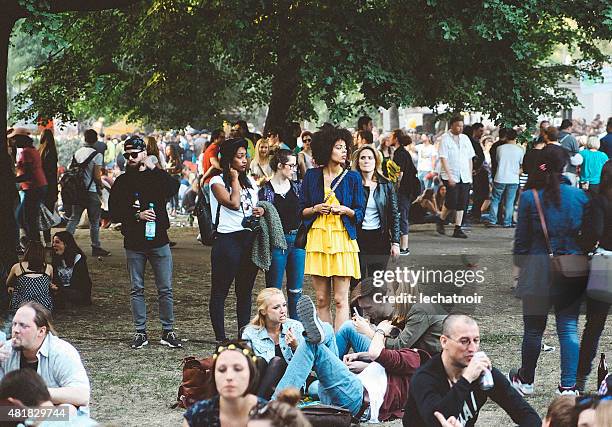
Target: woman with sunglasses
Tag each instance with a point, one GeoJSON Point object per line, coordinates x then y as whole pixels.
{"type": "Point", "coordinates": [235, 379]}
{"type": "Point", "coordinates": [304, 157]}
{"type": "Point", "coordinates": [284, 194]}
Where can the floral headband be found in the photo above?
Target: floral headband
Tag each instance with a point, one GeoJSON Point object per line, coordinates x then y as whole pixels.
{"type": "Point", "coordinates": [248, 353]}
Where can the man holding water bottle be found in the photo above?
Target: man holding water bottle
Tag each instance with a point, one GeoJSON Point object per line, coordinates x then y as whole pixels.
{"type": "Point", "coordinates": [458, 382]}
{"type": "Point", "coordinates": [138, 201]}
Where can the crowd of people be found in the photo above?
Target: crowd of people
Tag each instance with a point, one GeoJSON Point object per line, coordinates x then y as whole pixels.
{"type": "Point", "coordinates": [336, 206]}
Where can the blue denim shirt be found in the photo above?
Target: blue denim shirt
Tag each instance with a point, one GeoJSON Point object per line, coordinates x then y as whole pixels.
{"type": "Point", "coordinates": [564, 223]}
{"type": "Point", "coordinates": [262, 344]}
{"type": "Point", "coordinates": [349, 193]}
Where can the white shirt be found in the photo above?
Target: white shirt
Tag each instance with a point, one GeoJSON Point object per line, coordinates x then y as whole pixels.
{"type": "Point", "coordinates": [371, 219]}
{"type": "Point", "coordinates": [426, 152]}
{"type": "Point", "coordinates": [230, 220]}
{"type": "Point", "coordinates": [458, 157]}
{"type": "Point", "coordinates": [509, 161]}
{"type": "Point", "coordinates": [80, 156]}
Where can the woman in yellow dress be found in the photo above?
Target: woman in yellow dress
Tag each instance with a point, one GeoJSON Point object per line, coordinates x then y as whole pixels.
{"type": "Point", "coordinates": [332, 205]}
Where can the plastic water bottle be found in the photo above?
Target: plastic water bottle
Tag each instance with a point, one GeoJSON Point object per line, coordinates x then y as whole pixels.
{"type": "Point", "coordinates": [150, 226]}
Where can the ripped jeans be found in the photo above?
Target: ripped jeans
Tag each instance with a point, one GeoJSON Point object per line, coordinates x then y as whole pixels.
{"type": "Point", "coordinates": [291, 261]}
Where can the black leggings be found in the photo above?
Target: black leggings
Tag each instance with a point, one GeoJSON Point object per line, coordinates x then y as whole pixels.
{"type": "Point", "coordinates": [270, 376]}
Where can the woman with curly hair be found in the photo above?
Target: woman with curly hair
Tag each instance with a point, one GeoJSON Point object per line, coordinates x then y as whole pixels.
{"type": "Point", "coordinates": [332, 207]}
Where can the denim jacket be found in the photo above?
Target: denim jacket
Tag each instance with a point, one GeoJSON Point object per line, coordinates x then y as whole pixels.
{"type": "Point", "coordinates": [349, 193]}
{"type": "Point", "coordinates": [564, 224]}
{"type": "Point", "coordinates": [262, 344]}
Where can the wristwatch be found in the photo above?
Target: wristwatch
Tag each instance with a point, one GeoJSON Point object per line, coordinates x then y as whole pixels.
{"type": "Point", "coordinates": [137, 216]}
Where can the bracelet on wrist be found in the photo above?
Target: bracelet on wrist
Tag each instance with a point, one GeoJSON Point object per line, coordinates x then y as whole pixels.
{"type": "Point", "coordinates": [380, 331]}
{"type": "Point", "coordinates": [137, 216]}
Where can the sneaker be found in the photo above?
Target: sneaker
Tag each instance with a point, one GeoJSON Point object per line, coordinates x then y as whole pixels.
{"type": "Point", "coordinates": [405, 251]}
{"type": "Point", "coordinates": [99, 252]}
{"type": "Point", "coordinates": [459, 234]}
{"type": "Point", "coordinates": [547, 348]}
{"type": "Point", "coordinates": [581, 383]}
{"type": "Point", "coordinates": [440, 227]}
{"type": "Point", "coordinates": [140, 340]}
{"type": "Point", "coordinates": [489, 224]}
{"type": "Point", "coordinates": [307, 313]}
{"type": "Point", "coordinates": [169, 338]}
{"type": "Point", "coordinates": [567, 391]}
{"type": "Point", "coordinates": [522, 387]}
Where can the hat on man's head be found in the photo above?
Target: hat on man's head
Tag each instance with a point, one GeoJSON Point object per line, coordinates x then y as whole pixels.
{"type": "Point", "coordinates": [365, 288]}
{"type": "Point", "coordinates": [134, 142]}
{"type": "Point", "coordinates": [17, 131]}
{"type": "Point", "coordinates": [230, 146]}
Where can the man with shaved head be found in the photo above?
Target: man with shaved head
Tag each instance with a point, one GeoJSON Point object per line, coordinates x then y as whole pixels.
{"type": "Point", "coordinates": [449, 382]}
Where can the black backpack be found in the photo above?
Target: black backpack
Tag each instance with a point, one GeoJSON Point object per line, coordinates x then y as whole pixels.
{"type": "Point", "coordinates": [74, 191]}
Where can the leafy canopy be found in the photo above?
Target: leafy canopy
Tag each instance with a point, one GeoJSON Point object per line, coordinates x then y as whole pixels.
{"type": "Point", "coordinates": [172, 62]}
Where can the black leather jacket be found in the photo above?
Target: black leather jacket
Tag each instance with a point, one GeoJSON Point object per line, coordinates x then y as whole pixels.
{"type": "Point", "coordinates": [385, 197]}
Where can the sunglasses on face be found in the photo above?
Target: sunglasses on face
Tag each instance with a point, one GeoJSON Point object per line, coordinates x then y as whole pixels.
{"type": "Point", "coordinates": [133, 155]}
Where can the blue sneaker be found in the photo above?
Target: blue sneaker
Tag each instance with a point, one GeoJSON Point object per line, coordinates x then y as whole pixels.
{"type": "Point", "coordinates": [307, 312]}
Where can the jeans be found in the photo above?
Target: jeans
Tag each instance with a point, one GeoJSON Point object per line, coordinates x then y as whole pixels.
{"type": "Point", "coordinates": [510, 191]}
{"type": "Point", "coordinates": [29, 211]}
{"type": "Point", "coordinates": [230, 260]}
{"type": "Point", "coordinates": [94, 210]}
{"type": "Point", "coordinates": [347, 337]}
{"type": "Point", "coordinates": [161, 261]}
{"type": "Point", "coordinates": [291, 261]}
{"type": "Point", "coordinates": [337, 385]}
{"type": "Point", "coordinates": [567, 331]}
{"type": "Point", "coordinates": [404, 203]}
{"type": "Point", "coordinates": [374, 251]}
{"type": "Point", "coordinates": [426, 183]}
{"type": "Point", "coordinates": [596, 314]}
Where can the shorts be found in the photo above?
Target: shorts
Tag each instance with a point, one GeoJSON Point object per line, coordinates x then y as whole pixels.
{"type": "Point", "coordinates": [457, 197]}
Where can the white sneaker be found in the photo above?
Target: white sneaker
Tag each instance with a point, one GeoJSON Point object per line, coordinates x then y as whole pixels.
{"type": "Point", "coordinates": [518, 384]}
{"type": "Point", "coordinates": [567, 391]}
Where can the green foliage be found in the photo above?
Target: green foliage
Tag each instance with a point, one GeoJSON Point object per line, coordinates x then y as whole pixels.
{"type": "Point", "coordinates": [172, 62]}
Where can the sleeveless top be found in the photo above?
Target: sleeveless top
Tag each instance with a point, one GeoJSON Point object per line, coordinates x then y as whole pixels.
{"type": "Point", "coordinates": [307, 160]}
{"type": "Point", "coordinates": [32, 288]}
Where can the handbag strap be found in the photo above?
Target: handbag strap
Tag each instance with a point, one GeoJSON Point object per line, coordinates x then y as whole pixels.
{"type": "Point", "coordinates": [336, 185]}
{"type": "Point", "coordinates": [536, 197]}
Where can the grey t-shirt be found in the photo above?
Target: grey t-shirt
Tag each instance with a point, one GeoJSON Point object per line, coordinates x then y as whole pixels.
{"type": "Point", "coordinates": [568, 142]}
{"type": "Point", "coordinates": [80, 156]}
{"type": "Point", "coordinates": [509, 161]}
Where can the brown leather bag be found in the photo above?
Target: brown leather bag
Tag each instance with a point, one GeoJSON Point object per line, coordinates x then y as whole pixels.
{"type": "Point", "coordinates": [568, 266]}
{"type": "Point", "coordinates": [197, 383]}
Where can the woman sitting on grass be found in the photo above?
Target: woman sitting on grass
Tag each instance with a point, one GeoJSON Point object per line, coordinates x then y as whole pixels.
{"type": "Point", "coordinates": [235, 379]}
{"type": "Point", "coordinates": [30, 280]}
{"type": "Point", "coordinates": [273, 337]}
{"type": "Point", "coordinates": [70, 272]}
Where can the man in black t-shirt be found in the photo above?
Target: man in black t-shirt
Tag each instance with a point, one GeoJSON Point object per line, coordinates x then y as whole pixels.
{"type": "Point", "coordinates": [449, 382]}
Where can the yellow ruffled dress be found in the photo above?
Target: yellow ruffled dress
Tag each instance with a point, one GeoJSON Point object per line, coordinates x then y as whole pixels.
{"type": "Point", "coordinates": [329, 248]}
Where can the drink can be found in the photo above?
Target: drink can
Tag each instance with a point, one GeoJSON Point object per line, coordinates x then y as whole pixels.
{"type": "Point", "coordinates": [486, 378]}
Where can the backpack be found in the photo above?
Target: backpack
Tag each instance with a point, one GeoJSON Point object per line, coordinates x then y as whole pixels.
{"type": "Point", "coordinates": [197, 383]}
{"type": "Point", "coordinates": [204, 215]}
{"type": "Point", "coordinates": [72, 182]}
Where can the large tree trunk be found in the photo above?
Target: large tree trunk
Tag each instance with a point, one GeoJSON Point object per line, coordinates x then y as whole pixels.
{"type": "Point", "coordinates": [11, 11]}
{"type": "Point", "coordinates": [284, 91]}
{"type": "Point", "coordinates": [8, 255]}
